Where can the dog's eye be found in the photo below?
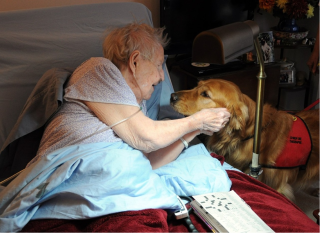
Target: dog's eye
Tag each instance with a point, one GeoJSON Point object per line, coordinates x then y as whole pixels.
{"type": "Point", "coordinates": [204, 94]}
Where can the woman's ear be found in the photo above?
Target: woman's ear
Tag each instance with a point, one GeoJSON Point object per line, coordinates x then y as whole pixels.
{"type": "Point", "coordinates": [133, 61]}
{"type": "Point", "coordinates": [131, 79]}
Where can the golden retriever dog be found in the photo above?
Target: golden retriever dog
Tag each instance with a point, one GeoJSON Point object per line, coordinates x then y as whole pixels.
{"type": "Point", "coordinates": [278, 136]}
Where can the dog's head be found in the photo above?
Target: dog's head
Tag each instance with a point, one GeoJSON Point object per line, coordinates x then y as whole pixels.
{"type": "Point", "coordinates": [213, 93]}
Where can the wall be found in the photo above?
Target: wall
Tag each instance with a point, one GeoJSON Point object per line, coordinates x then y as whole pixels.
{"type": "Point", "coordinates": [9, 5]}
{"type": "Point", "coordinates": [265, 21]}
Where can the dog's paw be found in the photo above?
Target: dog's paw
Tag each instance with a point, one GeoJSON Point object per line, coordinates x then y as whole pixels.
{"type": "Point", "coordinates": [316, 192]}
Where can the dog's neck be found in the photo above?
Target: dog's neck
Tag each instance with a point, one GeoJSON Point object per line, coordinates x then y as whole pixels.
{"type": "Point", "coordinates": [262, 129]}
{"type": "Point", "coordinates": [269, 113]}
{"type": "Point", "coordinates": [230, 139]}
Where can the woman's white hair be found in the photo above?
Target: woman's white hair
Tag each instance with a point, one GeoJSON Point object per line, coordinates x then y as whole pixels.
{"type": "Point", "coordinates": [121, 42]}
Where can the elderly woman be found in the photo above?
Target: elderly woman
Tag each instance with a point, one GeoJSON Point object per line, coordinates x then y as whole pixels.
{"type": "Point", "coordinates": [105, 101]}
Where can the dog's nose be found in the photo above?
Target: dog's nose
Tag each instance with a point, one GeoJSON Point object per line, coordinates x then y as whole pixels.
{"type": "Point", "coordinates": [174, 97]}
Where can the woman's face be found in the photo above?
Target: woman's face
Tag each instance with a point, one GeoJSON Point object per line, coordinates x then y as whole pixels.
{"type": "Point", "coordinates": [149, 73]}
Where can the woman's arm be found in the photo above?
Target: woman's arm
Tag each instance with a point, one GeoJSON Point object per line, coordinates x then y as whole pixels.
{"type": "Point", "coordinates": [168, 154]}
{"type": "Point", "coordinates": [147, 135]}
{"type": "Point", "coordinates": [314, 57]}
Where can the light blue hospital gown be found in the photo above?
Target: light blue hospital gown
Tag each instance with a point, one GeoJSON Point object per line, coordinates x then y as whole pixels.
{"type": "Point", "coordinates": [97, 80]}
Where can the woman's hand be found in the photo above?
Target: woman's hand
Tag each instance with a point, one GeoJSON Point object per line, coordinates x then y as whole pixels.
{"type": "Point", "coordinates": [213, 119]}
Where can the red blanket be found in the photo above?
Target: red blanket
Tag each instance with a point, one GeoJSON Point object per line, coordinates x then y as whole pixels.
{"type": "Point", "coordinates": [274, 209]}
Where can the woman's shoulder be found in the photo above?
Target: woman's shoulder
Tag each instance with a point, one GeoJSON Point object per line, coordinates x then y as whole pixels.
{"type": "Point", "coordinates": [99, 61]}
{"type": "Point", "coordinates": [96, 65]}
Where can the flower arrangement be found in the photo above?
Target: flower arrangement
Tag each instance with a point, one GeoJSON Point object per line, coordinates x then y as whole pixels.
{"type": "Point", "coordinates": [292, 9]}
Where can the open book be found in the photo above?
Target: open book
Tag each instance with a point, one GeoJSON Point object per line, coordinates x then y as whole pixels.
{"type": "Point", "coordinates": [227, 212]}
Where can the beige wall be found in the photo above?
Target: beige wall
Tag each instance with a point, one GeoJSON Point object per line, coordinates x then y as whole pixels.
{"type": "Point", "coordinates": [9, 5]}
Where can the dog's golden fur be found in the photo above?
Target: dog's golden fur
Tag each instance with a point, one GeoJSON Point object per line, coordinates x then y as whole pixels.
{"type": "Point", "coordinates": [228, 142]}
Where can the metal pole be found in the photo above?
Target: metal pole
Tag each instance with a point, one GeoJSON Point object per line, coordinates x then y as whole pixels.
{"type": "Point", "coordinates": [255, 167]}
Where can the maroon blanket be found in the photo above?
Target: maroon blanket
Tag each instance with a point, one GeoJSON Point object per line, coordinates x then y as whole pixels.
{"type": "Point", "coordinates": [274, 209]}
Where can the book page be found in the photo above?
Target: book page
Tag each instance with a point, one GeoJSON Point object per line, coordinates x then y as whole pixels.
{"type": "Point", "coordinates": [232, 212]}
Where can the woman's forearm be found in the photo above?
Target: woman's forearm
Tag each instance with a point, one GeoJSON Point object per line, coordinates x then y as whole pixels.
{"type": "Point", "coordinates": [168, 154]}
{"type": "Point", "coordinates": [148, 135]}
